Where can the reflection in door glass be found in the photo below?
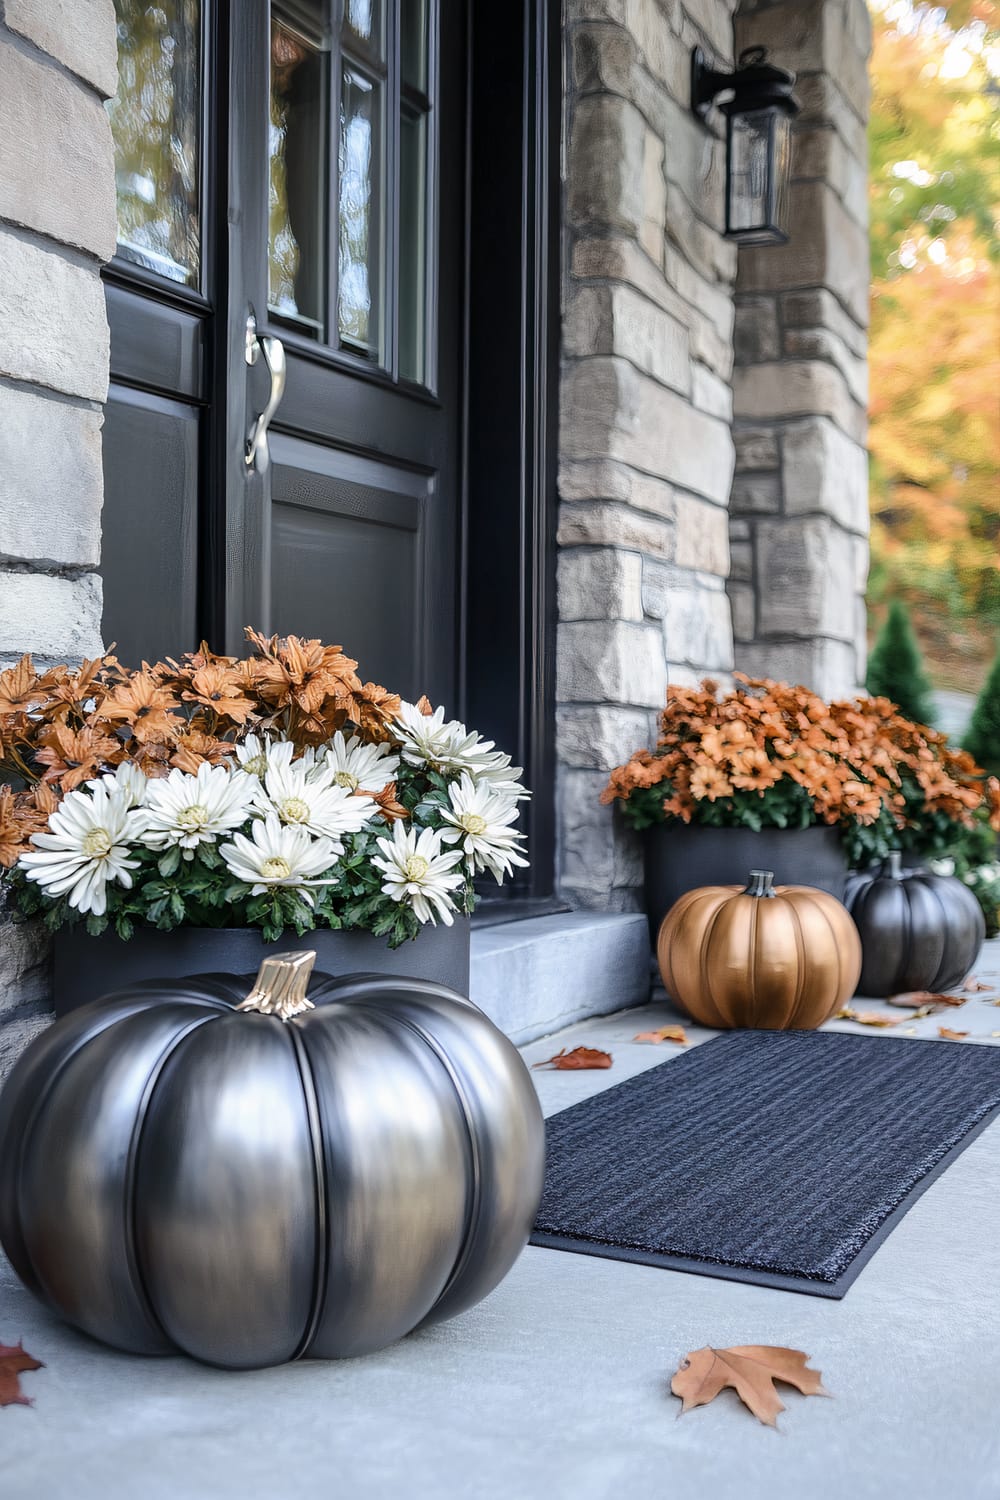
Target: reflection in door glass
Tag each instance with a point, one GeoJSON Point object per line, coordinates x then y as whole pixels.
{"type": "Point", "coordinates": [360, 263]}
{"type": "Point", "coordinates": [365, 18]}
{"type": "Point", "coordinates": [156, 125]}
{"type": "Point", "coordinates": [297, 173]}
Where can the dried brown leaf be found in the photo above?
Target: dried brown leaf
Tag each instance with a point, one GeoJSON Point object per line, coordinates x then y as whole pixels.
{"type": "Point", "coordinates": [664, 1034]}
{"type": "Point", "coordinates": [975, 986]}
{"type": "Point", "coordinates": [14, 1360]}
{"type": "Point", "coordinates": [925, 997]}
{"type": "Point", "coordinates": [580, 1057]}
{"type": "Point", "coordinates": [951, 1036]}
{"type": "Point", "coordinates": [751, 1370]}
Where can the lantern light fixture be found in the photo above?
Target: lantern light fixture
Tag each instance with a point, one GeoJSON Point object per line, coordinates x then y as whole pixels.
{"type": "Point", "coordinates": [759, 107]}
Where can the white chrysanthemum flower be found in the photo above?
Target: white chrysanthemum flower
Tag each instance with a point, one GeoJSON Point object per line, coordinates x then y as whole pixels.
{"type": "Point", "coordinates": [184, 810]}
{"type": "Point", "coordinates": [941, 866]}
{"type": "Point", "coordinates": [481, 819]}
{"type": "Point", "coordinates": [259, 754]}
{"type": "Point", "coordinates": [277, 855]}
{"type": "Point", "coordinates": [446, 744]}
{"type": "Point", "coordinates": [418, 870]}
{"type": "Point", "coordinates": [502, 777]}
{"type": "Point", "coordinates": [127, 779]}
{"type": "Point", "coordinates": [91, 835]}
{"type": "Point", "coordinates": [304, 796]}
{"type": "Point", "coordinates": [353, 764]}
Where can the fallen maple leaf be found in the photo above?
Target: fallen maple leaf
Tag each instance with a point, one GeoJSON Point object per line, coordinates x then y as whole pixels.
{"type": "Point", "coordinates": [751, 1370]}
{"type": "Point", "coordinates": [13, 1362]}
{"type": "Point", "coordinates": [974, 985]}
{"type": "Point", "coordinates": [925, 997]}
{"type": "Point", "coordinates": [952, 1036]}
{"type": "Point", "coordinates": [664, 1034]}
{"type": "Point", "coordinates": [869, 1017]}
{"type": "Point", "coordinates": [580, 1057]}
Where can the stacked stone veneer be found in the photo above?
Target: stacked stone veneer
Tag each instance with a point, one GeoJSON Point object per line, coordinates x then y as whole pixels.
{"type": "Point", "coordinates": [799, 529]}
{"type": "Point", "coordinates": [58, 62]}
{"type": "Point", "coordinates": [646, 448]}
{"type": "Point", "coordinates": [674, 349]}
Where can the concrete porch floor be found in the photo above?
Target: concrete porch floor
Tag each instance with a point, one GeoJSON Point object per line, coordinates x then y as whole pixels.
{"type": "Point", "coordinates": [557, 1386]}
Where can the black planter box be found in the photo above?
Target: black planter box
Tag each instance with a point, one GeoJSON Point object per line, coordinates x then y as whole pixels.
{"type": "Point", "coordinates": [85, 967]}
{"type": "Point", "coordinates": [679, 857]}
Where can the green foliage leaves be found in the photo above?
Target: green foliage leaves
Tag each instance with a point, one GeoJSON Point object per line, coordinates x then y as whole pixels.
{"type": "Point", "coordinates": [895, 668]}
{"type": "Point", "coordinates": [982, 739]}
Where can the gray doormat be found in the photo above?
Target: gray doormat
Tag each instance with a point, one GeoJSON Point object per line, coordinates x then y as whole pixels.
{"type": "Point", "coordinates": [782, 1158]}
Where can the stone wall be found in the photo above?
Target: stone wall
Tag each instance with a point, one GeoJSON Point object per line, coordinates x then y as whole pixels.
{"type": "Point", "coordinates": [58, 62]}
{"type": "Point", "coordinates": [799, 529]}
{"type": "Point", "coordinates": [646, 449]}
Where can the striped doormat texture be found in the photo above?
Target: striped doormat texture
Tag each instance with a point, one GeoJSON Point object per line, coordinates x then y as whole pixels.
{"type": "Point", "coordinates": [782, 1158]}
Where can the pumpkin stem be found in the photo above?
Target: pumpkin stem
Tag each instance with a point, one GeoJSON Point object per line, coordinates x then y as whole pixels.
{"type": "Point", "coordinates": [895, 864]}
{"type": "Point", "coordinates": [280, 986]}
{"type": "Point", "coordinates": [761, 883]}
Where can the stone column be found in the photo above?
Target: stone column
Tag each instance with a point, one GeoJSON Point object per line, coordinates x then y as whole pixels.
{"type": "Point", "coordinates": [646, 449]}
{"type": "Point", "coordinates": [58, 63]}
{"type": "Point", "coordinates": [799, 528]}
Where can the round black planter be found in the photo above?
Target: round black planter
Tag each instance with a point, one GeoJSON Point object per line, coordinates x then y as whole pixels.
{"type": "Point", "coordinates": [680, 857]}
{"type": "Point", "coordinates": [85, 967]}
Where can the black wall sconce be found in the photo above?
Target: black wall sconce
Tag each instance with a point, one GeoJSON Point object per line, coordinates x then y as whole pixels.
{"type": "Point", "coordinates": [759, 113]}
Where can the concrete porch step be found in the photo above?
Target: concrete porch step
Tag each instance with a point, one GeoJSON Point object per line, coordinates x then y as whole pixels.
{"type": "Point", "coordinates": [534, 976]}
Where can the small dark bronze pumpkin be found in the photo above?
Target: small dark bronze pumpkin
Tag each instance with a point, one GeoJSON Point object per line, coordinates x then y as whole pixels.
{"type": "Point", "coordinates": [776, 958]}
{"type": "Point", "coordinates": [918, 931]}
{"type": "Point", "coordinates": [254, 1182]}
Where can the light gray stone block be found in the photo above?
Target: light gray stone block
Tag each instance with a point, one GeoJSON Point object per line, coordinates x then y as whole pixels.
{"type": "Point", "coordinates": [594, 584]}
{"type": "Point", "coordinates": [617, 259]}
{"type": "Point", "coordinates": [823, 343]}
{"type": "Point", "coordinates": [798, 388]}
{"type": "Point", "coordinates": [756, 494]}
{"type": "Point", "coordinates": [51, 483]}
{"type": "Point", "coordinates": [697, 624]}
{"type": "Point", "coordinates": [823, 471]}
{"type": "Point", "coordinates": [598, 738]}
{"type": "Point", "coordinates": [756, 336]}
{"type": "Point", "coordinates": [534, 976]}
{"type": "Point", "coordinates": [710, 393]}
{"type": "Point", "coordinates": [819, 308]}
{"type": "Point", "coordinates": [803, 570]}
{"type": "Point", "coordinates": [81, 34]}
{"type": "Point", "coordinates": [756, 448]}
{"type": "Point", "coordinates": [829, 668]}
{"type": "Point", "coordinates": [598, 853]}
{"type": "Point", "coordinates": [611, 410]}
{"type": "Point", "coordinates": [600, 523]}
{"type": "Point", "coordinates": [702, 535]}
{"type": "Point", "coordinates": [607, 142]}
{"type": "Point", "coordinates": [53, 326]}
{"type": "Point", "coordinates": [50, 616]}
{"type": "Point", "coordinates": [619, 320]}
{"type": "Point", "coordinates": [610, 662]}
{"type": "Point", "coordinates": [57, 170]}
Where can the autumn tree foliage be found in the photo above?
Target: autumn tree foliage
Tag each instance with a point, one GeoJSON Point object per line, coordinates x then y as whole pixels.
{"type": "Point", "coordinates": [896, 669]}
{"type": "Point", "coordinates": [935, 331]}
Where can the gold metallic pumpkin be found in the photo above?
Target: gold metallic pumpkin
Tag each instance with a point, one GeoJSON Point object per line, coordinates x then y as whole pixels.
{"type": "Point", "coordinates": [776, 958]}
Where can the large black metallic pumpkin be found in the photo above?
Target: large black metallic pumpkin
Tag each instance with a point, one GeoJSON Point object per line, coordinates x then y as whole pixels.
{"type": "Point", "coordinates": [918, 931]}
{"type": "Point", "coordinates": [250, 1187]}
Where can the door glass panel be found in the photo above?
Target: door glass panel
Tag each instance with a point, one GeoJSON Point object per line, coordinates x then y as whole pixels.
{"type": "Point", "coordinates": [298, 169]}
{"type": "Point", "coordinates": [413, 43]}
{"type": "Point", "coordinates": [361, 213]}
{"type": "Point", "coordinates": [364, 22]}
{"type": "Point", "coordinates": [156, 125]}
{"type": "Point", "coordinates": [412, 244]}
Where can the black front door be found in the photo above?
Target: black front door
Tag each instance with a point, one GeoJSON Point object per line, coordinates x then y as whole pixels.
{"type": "Point", "coordinates": [282, 442]}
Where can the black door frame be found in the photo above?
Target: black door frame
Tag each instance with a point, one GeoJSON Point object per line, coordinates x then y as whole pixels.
{"type": "Point", "coordinates": [512, 411]}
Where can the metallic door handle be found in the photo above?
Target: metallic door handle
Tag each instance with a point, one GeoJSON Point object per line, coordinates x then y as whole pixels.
{"type": "Point", "coordinates": [273, 352]}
